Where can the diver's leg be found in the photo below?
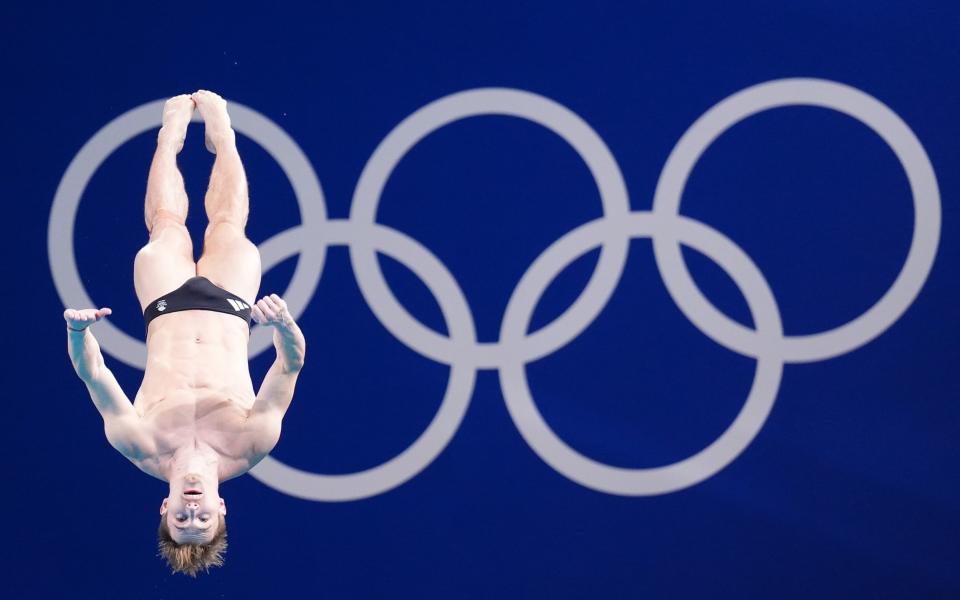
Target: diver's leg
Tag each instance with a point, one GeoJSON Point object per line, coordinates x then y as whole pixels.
{"type": "Point", "coordinates": [166, 261]}
{"type": "Point", "coordinates": [229, 259]}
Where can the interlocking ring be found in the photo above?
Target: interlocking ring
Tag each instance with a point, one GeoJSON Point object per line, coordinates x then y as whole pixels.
{"type": "Point", "coordinates": [516, 347]}
{"type": "Point", "coordinates": [810, 92]}
{"type": "Point", "coordinates": [66, 202]}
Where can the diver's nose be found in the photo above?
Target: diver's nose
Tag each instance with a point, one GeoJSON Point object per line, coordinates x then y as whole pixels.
{"type": "Point", "coordinates": [193, 505]}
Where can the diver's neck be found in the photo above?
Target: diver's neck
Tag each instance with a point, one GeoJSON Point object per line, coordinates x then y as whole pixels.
{"type": "Point", "coordinates": [194, 459]}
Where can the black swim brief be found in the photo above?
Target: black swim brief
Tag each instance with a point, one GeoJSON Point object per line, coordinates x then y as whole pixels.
{"type": "Point", "coordinates": [197, 293]}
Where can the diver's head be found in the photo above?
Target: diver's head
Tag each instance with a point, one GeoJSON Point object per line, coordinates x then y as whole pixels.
{"type": "Point", "coordinates": [193, 532]}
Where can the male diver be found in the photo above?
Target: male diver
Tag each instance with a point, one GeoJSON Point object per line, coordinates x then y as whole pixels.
{"type": "Point", "coordinates": [195, 420]}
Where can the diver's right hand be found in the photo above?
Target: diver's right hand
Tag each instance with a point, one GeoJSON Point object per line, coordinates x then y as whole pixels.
{"type": "Point", "coordinates": [78, 320]}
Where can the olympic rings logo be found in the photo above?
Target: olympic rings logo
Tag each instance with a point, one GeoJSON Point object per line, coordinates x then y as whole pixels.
{"type": "Point", "coordinates": [460, 350]}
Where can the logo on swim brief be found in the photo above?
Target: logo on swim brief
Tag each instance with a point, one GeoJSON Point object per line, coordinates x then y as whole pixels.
{"type": "Point", "coordinates": [237, 304]}
{"type": "Point", "coordinates": [162, 305]}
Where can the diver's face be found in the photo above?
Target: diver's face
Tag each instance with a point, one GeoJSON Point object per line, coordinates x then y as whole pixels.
{"type": "Point", "coordinates": [192, 513]}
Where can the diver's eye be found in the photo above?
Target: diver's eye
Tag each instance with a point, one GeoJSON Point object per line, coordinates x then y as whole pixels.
{"type": "Point", "coordinates": [204, 518]}
{"type": "Point", "coordinates": [181, 517]}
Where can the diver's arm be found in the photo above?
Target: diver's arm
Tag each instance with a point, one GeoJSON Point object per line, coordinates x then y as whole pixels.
{"type": "Point", "coordinates": [88, 363]}
{"type": "Point", "coordinates": [276, 391]}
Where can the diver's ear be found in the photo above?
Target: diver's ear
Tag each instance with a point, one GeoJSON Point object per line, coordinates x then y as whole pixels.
{"type": "Point", "coordinates": [223, 507]}
{"type": "Point", "coordinates": [163, 507]}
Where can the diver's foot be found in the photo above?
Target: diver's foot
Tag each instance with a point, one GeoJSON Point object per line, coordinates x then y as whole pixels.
{"type": "Point", "coordinates": [177, 112]}
{"type": "Point", "coordinates": [217, 130]}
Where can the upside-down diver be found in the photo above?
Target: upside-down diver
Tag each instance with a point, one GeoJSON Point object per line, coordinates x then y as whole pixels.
{"type": "Point", "coordinates": [195, 420]}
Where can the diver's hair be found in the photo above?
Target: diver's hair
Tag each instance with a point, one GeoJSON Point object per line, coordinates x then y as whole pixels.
{"type": "Point", "coordinates": [192, 558]}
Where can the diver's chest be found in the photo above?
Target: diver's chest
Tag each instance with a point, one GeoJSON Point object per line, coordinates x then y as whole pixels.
{"type": "Point", "coordinates": [196, 412]}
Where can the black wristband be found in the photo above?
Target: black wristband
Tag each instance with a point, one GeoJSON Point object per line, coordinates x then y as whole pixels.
{"type": "Point", "coordinates": [72, 329]}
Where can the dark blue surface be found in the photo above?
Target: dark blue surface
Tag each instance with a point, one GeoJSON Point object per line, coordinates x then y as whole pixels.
{"type": "Point", "coordinates": [849, 490]}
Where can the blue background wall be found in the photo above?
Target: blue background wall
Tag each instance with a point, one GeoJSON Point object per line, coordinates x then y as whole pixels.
{"type": "Point", "coordinates": [850, 488]}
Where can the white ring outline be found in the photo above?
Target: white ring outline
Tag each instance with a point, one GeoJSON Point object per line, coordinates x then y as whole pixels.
{"type": "Point", "coordinates": [801, 92]}
{"type": "Point", "coordinates": [445, 423]}
{"type": "Point", "coordinates": [66, 202]}
{"type": "Point", "coordinates": [719, 453]}
{"type": "Point", "coordinates": [471, 103]}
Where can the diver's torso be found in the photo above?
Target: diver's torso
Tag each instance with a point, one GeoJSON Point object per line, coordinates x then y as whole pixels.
{"type": "Point", "coordinates": [197, 388]}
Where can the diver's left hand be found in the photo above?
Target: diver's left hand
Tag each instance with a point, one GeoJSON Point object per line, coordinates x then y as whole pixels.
{"type": "Point", "coordinates": [271, 310]}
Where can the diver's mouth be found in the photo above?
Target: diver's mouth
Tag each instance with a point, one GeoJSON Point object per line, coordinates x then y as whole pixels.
{"type": "Point", "coordinates": [193, 493]}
